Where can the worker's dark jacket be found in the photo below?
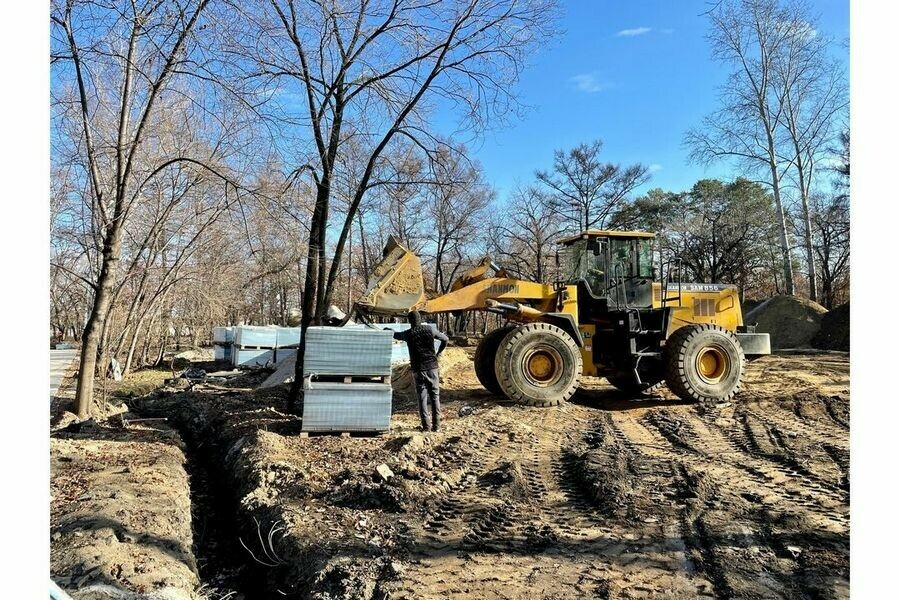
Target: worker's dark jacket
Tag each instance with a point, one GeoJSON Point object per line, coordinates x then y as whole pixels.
{"type": "Point", "coordinates": [420, 340]}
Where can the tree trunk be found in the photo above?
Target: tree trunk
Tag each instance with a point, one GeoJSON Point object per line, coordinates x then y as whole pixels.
{"type": "Point", "coordinates": [808, 241]}
{"type": "Point", "coordinates": [787, 270]}
{"type": "Point", "coordinates": [310, 280]}
{"type": "Point", "coordinates": [93, 330]}
{"type": "Point", "coordinates": [133, 344]}
{"type": "Point", "coordinates": [163, 343]}
{"type": "Point", "coordinates": [148, 339]}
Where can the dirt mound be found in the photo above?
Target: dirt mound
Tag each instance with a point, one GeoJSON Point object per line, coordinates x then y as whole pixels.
{"type": "Point", "coordinates": [791, 322]}
{"type": "Point", "coordinates": [748, 305]}
{"type": "Point", "coordinates": [453, 358]}
{"type": "Point", "coordinates": [121, 514]}
{"type": "Point", "coordinates": [454, 362]}
{"type": "Point", "coordinates": [834, 334]}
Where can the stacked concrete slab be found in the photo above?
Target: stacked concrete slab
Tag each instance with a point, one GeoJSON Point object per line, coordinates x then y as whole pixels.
{"type": "Point", "coordinates": [254, 345]}
{"type": "Point", "coordinates": [347, 379]}
{"type": "Point", "coordinates": [223, 342]}
{"type": "Point", "coordinates": [287, 340]}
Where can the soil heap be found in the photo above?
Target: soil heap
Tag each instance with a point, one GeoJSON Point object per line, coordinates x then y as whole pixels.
{"type": "Point", "coordinates": [834, 333]}
{"type": "Point", "coordinates": [747, 306]}
{"type": "Point", "coordinates": [791, 322]}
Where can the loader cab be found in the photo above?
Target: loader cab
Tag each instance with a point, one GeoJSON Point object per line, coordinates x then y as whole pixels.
{"type": "Point", "coordinates": [613, 268]}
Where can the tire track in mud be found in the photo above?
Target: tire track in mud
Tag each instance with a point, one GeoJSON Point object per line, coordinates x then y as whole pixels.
{"type": "Point", "coordinates": [838, 411]}
{"type": "Point", "coordinates": [655, 505]}
{"type": "Point", "coordinates": [697, 537]}
{"type": "Point", "coordinates": [841, 458]}
{"type": "Point", "coordinates": [768, 439]}
{"type": "Point", "coordinates": [499, 509]}
{"type": "Point", "coordinates": [815, 415]}
{"type": "Point", "coordinates": [788, 421]}
{"type": "Point", "coordinates": [453, 506]}
{"type": "Point", "coordinates": [558, 512]}
{"type": "Point", "coordinates": [725, 523]}
{"type": "Point", "coordinates": [712, 447]}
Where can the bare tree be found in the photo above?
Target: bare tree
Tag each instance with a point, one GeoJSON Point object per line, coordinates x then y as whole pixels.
{"type": "Point", "coordinates": [831, 229]}
{"type": "Point", "coordinates": [586, 190]}
{"type": "Point", "coordinates": [830, 220]}
{"type": "Point", "coordinates": [402, 177]}
{"type": "Point", "coordinates": [814, 96]}
{"type": "Point", "coordinates": [750, 35]}
{"type": "Point", "coordinates": [524, 235]}
{"type": "Point", "coordinates": [118, 65]}
{"type": "Point", "coordinates": [368, 72]}
{"type": "Point", "coordinates": [456, 204]}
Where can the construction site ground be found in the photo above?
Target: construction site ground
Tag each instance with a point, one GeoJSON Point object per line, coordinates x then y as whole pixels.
{"type": "Point", "coordinates": [606, 496]}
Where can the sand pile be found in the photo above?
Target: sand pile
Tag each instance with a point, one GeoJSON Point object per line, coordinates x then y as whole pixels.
{"type": "Point", "coordinates": [453, 362]}
{"type": "Point", "coordinates": [834, 333]}
{"type": "Point", "coordinates": [791, 322]}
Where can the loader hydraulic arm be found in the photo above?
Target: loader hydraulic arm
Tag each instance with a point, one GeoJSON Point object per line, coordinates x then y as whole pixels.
{"type": "Point", "coordinates": [481, 293]}
{"type": "Point", "coordinates": [396, 286]}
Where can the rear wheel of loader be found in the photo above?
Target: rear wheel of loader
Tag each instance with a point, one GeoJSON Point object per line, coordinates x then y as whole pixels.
{"type": "Point", "coordinates": [704, 363]}
{"type": "Point", "coordinates": [538, 364]}
{"type": "Point", "coordinates": [485, 355]}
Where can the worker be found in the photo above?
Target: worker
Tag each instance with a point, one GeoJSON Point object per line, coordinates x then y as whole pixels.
{"type": "Point", "coordinates": [424, 364]}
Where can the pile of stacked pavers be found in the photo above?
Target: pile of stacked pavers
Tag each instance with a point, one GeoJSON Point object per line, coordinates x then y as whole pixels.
{"type": "Point", "coordinates": [223, 343]}
{"type": "Point", "coordinates": [255, 346]}
{"type": "Point", "coordinates": [347, 379]}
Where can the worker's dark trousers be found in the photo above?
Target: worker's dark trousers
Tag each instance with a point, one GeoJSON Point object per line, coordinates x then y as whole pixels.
{"type": "Point", "coordinates": [428, 390]}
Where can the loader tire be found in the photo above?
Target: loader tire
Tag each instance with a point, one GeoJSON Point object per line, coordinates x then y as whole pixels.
{"type": "Point", "coordinates": [538, 364]}
{"type": "Point", "coordinates": [485, 353]}
{"type": "Point", "coordinates": [704, 363]}
{"type": "Point", "coordinates": [627, 385]}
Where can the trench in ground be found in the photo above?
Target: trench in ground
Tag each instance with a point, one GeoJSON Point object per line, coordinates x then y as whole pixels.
{"type": "Point", "coordinates": [226, 570]}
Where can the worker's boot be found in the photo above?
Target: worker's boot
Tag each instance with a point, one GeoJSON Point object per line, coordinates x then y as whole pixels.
{"type": "Point", "coordinates": [436, 418]}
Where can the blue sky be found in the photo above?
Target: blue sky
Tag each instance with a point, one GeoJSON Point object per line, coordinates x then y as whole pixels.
{"type": "Point", "coordinates": [636, 74]}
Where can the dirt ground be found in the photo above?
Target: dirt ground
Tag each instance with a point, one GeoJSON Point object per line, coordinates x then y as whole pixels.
{"type": "Point", "coordinates": [121, 514]}
{"type": "Point", "coordinates": [120, 501]}
{"type": "Point", "coordinates": [606, 496]}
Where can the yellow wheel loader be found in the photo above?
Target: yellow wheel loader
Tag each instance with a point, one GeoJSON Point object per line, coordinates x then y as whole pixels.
{"type": "Point", "coordinates": [608, 316]}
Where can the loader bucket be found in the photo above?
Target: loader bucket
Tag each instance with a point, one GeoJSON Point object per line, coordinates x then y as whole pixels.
{"type": "Point", "coordinates": [396, 284]}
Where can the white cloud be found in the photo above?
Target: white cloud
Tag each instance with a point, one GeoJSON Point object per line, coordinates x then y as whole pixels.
{"type": "Point", "coordinates": [633, 32]}
{"type": "Point", "coordinates": [806, 30]}
{"type": "Point", "coordinates": [655, 167]}
{"type": "Point", "coordinates": [588, 82]}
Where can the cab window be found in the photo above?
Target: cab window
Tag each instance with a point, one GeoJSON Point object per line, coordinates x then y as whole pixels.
{"type": "Point", "coordinates": [622, 258]}
{"type": "Point", "coordinates": [586, 259]}
{"type": "Point", "coordinates": [644, 257]}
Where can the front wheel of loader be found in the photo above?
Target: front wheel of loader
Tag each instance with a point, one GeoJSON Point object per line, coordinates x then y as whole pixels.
{"type": "Point", "coordinates": [485, 354]}
{"type": "Point", "coordinates": [704, 363]}
{"type": "Point", "coordinates": [538, 364]}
